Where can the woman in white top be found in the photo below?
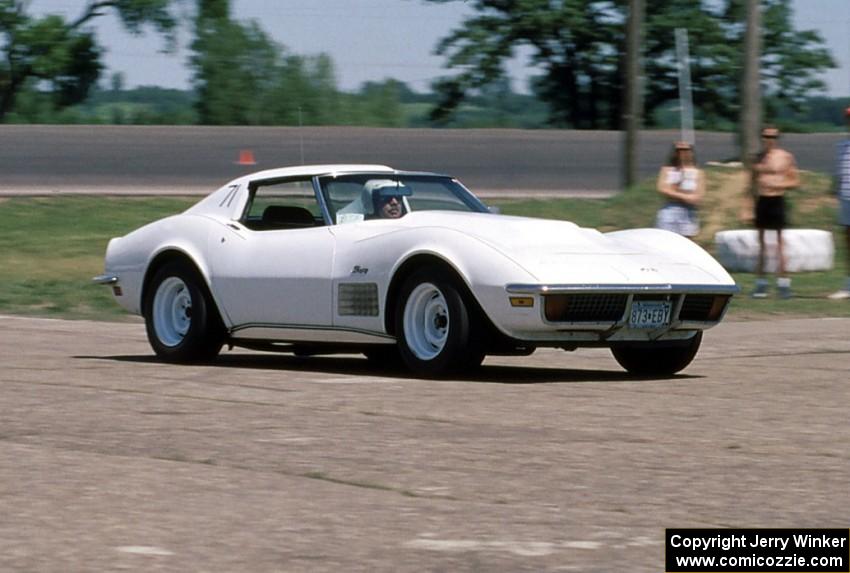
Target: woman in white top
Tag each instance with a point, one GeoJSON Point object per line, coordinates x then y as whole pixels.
{"type": "Point", "coordinates": [683, 184]}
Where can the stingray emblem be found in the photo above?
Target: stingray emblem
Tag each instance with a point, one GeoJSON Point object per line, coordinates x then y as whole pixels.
{"type": "Point", "coordinates": [649, 270]}
{"type": "Point", "coordinates": [358, 270]}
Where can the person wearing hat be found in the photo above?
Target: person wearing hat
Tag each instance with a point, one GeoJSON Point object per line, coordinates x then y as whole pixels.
{"type": "Point", "coordinates": [774, 173]}
{"type": "Point", "coordinates": [683, 185]}
{"type": "Point", "coordinates": [842, 189]}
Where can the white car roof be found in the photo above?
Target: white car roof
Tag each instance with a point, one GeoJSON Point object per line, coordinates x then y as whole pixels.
{"type": "Point", "coordinates": [311, 171]}
{"type": "Point", "coordinates": [214, 203]}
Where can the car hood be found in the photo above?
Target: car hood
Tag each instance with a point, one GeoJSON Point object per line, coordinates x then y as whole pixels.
{"type": "Point", "coordinates": [558, 252]}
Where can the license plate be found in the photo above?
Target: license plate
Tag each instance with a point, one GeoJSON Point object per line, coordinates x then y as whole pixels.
{"type": "Point", "coordinates": [649, 314]}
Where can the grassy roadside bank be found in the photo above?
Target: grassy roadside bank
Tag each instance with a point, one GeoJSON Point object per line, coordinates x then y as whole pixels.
{"type": "Point", "coordinates": [50, 247]}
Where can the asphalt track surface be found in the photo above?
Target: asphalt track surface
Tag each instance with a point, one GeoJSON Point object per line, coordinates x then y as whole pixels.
{"type": "Point", "coordinates": [196, 160]}
{"type": "Point", "coordinates": [112, 461]}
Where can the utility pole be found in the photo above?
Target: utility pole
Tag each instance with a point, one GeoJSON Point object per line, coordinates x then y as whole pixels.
{"type": "Point", "coordinates": [750, 120]}
{"type": "Point", "coordinates": [633, 112]}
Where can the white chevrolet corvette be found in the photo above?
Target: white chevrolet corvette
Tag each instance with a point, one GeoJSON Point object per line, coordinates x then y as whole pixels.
{"type": "Point", "coordinates": [364, 258]}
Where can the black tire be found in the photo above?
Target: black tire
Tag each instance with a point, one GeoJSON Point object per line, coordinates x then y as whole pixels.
{"type": "Point", "coordinates": [452, 319]}
{"type": "Point", "coordinates": [657, 358]}
{"type": "Point", "coordinates": [194, 334]}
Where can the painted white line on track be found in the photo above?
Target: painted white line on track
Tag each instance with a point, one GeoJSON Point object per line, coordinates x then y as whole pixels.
{"type": "Point", "coordinates": [581, 545]}
{"type": "Point", "coordinates": [144, 550]}
{"type": "Point", "coordinates": [521, 548]}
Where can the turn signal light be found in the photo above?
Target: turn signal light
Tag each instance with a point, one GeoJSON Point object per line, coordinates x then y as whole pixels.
{"type": "Point", "coordinates": [522, 301]}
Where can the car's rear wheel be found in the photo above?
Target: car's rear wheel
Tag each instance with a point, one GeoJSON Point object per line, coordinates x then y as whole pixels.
{"type": "Point", "coordinates": [182, 322]}
{"type": "Point", "coordinates": [657, 358]}
{"type": "Point", "coordinates": [435, 325]}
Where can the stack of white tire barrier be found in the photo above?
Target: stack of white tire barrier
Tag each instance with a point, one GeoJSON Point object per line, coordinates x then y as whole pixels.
{"type": "Point", "coordinates": [805, 250]}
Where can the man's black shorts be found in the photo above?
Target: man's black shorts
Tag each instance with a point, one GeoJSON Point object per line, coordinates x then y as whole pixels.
{"type": "Point", "coordinates": [770, 213]}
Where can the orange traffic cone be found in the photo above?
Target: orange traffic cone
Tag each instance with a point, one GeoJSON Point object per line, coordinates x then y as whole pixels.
{"type": "Point", "coordinates": [246, 157]}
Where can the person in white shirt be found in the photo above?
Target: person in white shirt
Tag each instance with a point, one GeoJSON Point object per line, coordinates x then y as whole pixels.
{"type": "Point", "coordinates": [682, 183]}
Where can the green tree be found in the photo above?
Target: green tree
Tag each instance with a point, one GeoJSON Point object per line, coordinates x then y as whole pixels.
{"type": "Point", "coordinates": [791, 59]}
{"type": "Point", "coordinates": [381, 103]}
{"type": "Point", "coordinates": [213, 9]}
{"type": "Point", "coordinates": [304, 92]}
{"type": "Point", "coordinates": [232, 64]}
{"type": "Point", "coordinates": [117, 81]}
{"type": "Point", "coordinates": [571, 42]}
{"type": "Point", "coordinates": [243, 77]}
{"type": "Point", "coordinates": [578, 46]}
{"type": "Point", "coordinates": [714, 60]}
{"type": "Point", "coordinates": [62, 58]}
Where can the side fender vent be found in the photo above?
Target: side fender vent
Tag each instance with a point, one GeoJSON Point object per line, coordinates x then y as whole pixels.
{"type": "Point", "coordinates": [357, 299]}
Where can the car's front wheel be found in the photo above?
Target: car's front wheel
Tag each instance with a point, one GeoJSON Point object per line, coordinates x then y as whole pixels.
{"type": "Point", "coordinates": [434, 325]}
{"type": "Point", "coordinates": [657, 358]}
{"type": "Point", "coordinates": [182, 323]}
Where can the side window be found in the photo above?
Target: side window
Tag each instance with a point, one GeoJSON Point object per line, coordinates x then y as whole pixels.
{"type": "Point", "coordinates": [363, 196]}
{"type": "Point", "coordinates": [283, 205]}
{"type": "Point", "coordinates": [433, 195]}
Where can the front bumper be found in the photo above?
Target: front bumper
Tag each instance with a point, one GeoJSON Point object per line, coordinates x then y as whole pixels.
{"type": "Point", "coordinates": [534, 326]}
{"type": "Point", "coordinates": [105, 280]}
{"type": "Point", "coordinates": [622, 288]}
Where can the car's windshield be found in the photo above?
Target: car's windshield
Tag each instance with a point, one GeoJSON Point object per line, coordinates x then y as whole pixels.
{"type": "Point", "coordinates": [364, 196]}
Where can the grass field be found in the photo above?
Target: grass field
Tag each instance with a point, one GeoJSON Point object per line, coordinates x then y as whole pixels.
{"type": "Point", "coordinates": [51, 247]}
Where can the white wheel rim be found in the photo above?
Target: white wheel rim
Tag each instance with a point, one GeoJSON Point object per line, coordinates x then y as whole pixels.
{"type": "Point", "coordinates": [426, 321]}
{"type": "Point", "coordinates": [172, 311]}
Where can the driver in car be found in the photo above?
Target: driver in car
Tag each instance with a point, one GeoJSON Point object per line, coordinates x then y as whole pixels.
{"type": "Point", "coordinates": [389, 207]}
{"type": "Point", "coordinates": [388, 199]}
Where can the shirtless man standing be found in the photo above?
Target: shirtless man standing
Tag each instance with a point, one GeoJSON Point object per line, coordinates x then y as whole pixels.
{"type": "Point", "coordinates": [842, 189]}
{"type": "Point", "coordinates": [774, 173]}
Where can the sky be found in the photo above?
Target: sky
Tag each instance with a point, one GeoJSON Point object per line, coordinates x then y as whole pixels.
{"type": "Point", "coordinates": [370, 40]}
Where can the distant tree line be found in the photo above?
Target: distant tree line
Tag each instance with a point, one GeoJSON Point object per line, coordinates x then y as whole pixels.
{"type": "Point", "coordinates": [159, 106]}
{"type": "Point", "coordinates": [51, 62]}
{"type": "Point", "coordinates": [578, 45]}
{"type": "Point", "coordinates": [240, 76]}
